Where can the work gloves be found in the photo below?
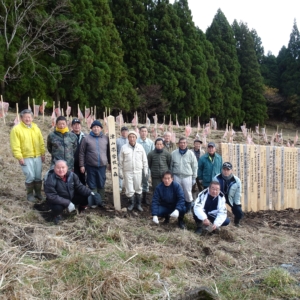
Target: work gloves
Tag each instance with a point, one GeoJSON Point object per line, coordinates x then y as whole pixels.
{"type": "Point", "coordinates": [71, 207]}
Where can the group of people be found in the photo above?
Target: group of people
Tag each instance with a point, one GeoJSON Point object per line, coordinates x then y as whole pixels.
{"type": "Point", "coordinates": [79, 159]}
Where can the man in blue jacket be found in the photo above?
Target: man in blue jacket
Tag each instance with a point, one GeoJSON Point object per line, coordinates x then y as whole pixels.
{"type": "Point", "coordinates": [209, 165]}
{"type": "Point", "coordinates": [231, 188]}
{"type": "Point", "coordinates": [168, 200]}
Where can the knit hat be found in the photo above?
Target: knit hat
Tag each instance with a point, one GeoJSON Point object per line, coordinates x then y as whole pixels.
{"type": "Point", "coordinates": [132, 132]}
{"type": "Point", "coordinates": [96, 123]}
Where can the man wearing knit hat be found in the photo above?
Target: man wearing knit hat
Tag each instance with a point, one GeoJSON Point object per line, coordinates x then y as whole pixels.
{"type": "Point", "coordinates": [94, 157]}
{"type": "Point", "coordinates": [133, 162]}
{"type": "Point", "coordinates": [231, 187]}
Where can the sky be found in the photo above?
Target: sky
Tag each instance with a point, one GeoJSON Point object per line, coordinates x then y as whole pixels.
{"type": "Point", "coordinates": [272, 20]}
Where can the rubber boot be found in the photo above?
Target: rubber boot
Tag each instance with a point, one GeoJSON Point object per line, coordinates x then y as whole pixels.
{"type": "Point", "coordinates": [237, 222]}
{"type": "Point", "coordinates": [181, 224]}
{"type": "Point", "coordinates": [30, 188]}
{"type": "Point", "coordinates": [91, 203]}
{"type": "Point", "coordinates": [102, 193]}
{"type": "Point", "coordinates": [144, 197]}
{"type": "Point", "coordinates": [131, 200]}
{"type": "Point", "coordinates": [199, 227]}
{"type": "Point", "coordinates": [38, 189]}
{"type": "Point", "coordinates": [138, 202]}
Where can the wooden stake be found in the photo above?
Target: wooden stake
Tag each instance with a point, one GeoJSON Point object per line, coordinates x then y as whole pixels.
{"type": "Point", "coordinates": [17, 109]}
{"type": "Point", "coordinates": [109, 111]}
{"type": "Point", "coordinates": [33, 107]}
{"type": "Point", "coordinates": [114, 162]}
{"type": "Point", "coordinates": [95, 112]}
{"type": "Point", "coordinates": [3, 109]}
{"type": "Point", "coordinates": [43, 111]}
{"type": "Point", "coordinates": [59, 107]}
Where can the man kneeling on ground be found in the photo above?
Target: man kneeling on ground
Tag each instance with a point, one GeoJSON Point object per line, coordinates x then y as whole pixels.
{"type": "Point", "coordinates": [63, 190]}
{"type": "Point", "coordinates": [168, 201]}
{"type": "Point", "coordinates": [210, 209]}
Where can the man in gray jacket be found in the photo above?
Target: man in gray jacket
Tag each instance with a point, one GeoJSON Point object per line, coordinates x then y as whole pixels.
{"type": "Point", "coordinates": [94, 157]}
{"type": "Point", "coordinates": [231, 188]}
{"type": "Point", "coordinates": [184, 167]}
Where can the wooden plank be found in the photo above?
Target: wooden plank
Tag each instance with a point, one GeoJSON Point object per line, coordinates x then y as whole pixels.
{"type": "Point", "coordinates": [114, 161]}
{"type": "Point", "coordinates": [241, 173]}
{"type": "Point", "coordinates": [246, 177]}
{"type": "Point", "coordinates": [263, 178]}
{"type": "Point", "coordinates": [298, 178]}
{"type": "Point", "coordinates": [294, 164]}
{"type": "Point", "coordinates": [282, 205]}
{"type": "Point", "coordinates": [252, 198]}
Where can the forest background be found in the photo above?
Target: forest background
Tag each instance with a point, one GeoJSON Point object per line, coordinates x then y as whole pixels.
{"type": "Point", "coordinates": [146, 56]}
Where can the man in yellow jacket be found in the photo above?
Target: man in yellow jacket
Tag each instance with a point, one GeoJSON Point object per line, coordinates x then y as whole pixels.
{"type": "Point", "coordinates": [27, 145]}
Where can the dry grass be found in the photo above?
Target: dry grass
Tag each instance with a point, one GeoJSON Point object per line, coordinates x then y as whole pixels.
{"type": "Point", "coordinates": [109, 257]}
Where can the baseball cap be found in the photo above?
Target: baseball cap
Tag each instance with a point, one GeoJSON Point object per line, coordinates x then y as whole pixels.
{"type": "Point", "coordinates": [124, 128]}
{"type": "Point", "coordinates": [227, 165]}
{"type": "Point", "coordinates": [211, 144]}
{"type": "Point", "coordinates": [75, 121]}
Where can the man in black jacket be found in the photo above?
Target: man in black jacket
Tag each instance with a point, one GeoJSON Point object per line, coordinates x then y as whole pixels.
{"type": "Point", "coordinates": [63, 190]}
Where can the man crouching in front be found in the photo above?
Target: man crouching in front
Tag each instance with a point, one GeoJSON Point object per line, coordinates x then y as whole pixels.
{"type": "Point", "coordinates": [63, 190]}
{"type": "Point", "coordinates": [210, 209]}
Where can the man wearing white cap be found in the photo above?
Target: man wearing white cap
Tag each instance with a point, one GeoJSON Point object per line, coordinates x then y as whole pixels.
{"type": "Point", "coordinates": [133, 162]}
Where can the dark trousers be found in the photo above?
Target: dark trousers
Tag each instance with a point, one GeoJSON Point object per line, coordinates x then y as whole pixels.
{"type": "Point", "coordinates": [211, 219]}
{"type": "Point", "coordinates": [165, 211]}
{"type": "Point", "coordinates": [57, 209]}
{"type": "Point", "coordinates": [198, 185]}
{"type": "Point", "coordinates": [236, 210]}
{"type": "Point", "coordinates": [96, 177]}
{"type": "Point", "coordinates": [80, 175]}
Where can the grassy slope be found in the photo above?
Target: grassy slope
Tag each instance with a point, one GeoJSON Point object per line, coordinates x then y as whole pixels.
{"type": "Point", "coordinates": [101, 255]}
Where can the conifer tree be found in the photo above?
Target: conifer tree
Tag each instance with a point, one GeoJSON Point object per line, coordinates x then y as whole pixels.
{"type": "Point", "coordinates": [130, 19]}
{"type": "Point", "coordinates": [221, 36]}
{"type": "Point", "coordinates": [167, 53]}
{"type": "Point", "coordinates": [250, 79]}
{"type": "Point", "coordinates": [99, 76]}
{"type": "Point", "coordinates": [193, 81]}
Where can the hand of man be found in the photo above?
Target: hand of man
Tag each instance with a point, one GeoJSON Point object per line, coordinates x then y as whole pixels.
{"type": "Point", "coordinates": [206, 222]}
{"type": "Point", "coordinates": [43, 158]}
{"type": "Point", "coordinates": [108, 167]}
{"type": "Point", "coordinates": [71, 207]}
{"type": "Point", "coordinates": [82, 170]}
{"type": "Point", "coordinates": [22, 162]}
{"type": "Point", "coordinates": [175, 214]}
{"type": "Point", "coordinates": [214, 227]}
{"type": "Point", "coordinates": [155, 220]}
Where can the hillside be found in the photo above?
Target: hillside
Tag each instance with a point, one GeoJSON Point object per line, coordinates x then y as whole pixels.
{"type": "Point", "coordinates": [103, 254]}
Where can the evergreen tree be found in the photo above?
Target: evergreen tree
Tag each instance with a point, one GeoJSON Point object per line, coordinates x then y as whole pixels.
{"type": "Point", "coordinates": [258, 47]}
{"type": "Point", "coordinates": [130, 19]}
{"type": "Point", "coordinates": [194, 81]}
{"type": "Point", "coordinates": [250, 79]}
{"type": "Point", "coordinates": [289, 74]}
{"type": "Point", "coordinates": [167, 44]}
{"type": "Point", "coordinates": [220, 34]}
{"type": "Point", "coordinates": [269, 70]}
{"type": "Point", "coordinates": [99, 76]}
{"type": "Point", "coordinates": [214, 77]}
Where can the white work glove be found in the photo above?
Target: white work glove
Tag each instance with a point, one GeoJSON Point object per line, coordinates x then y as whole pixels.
{"type": "Point", "coordinates": [175, 214]}
{"type": "Point", "coordinates": [193, 181]}
{"type": "Point", "coordinates": [71, 207]}
{"type": "Point", "coordinates": [121, 175]}
{"type": "Point", "coordinates": [155, 220]}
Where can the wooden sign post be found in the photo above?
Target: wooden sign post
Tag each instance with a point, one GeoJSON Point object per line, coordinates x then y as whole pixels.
{"type": "Point", "coordinates": [114, 161]}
